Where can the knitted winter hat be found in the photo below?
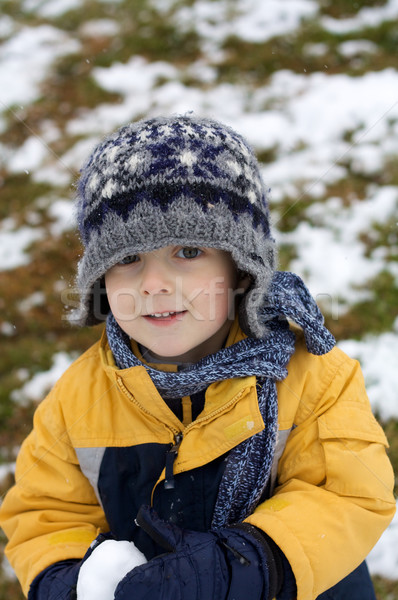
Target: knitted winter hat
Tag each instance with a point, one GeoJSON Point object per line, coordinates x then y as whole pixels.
{"type": "Point", "coordinates": [179, 180]}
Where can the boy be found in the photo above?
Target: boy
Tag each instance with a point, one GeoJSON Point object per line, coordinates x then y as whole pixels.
{"type": "Point", "coordinates": [251, 440]}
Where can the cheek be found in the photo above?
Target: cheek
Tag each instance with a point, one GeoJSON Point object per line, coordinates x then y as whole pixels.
{"type": "Point", "coordinates": [122, 300]}
{"type": "Point", "coordinates": [123, 306]}
{"type": "Point", "coordinates": [216, 301]}
{"type": "Point", "coordinates": [226, 296]}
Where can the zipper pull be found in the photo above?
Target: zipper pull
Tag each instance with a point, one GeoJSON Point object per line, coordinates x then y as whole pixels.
{"type": "Point", "coordinates": [170, 458]}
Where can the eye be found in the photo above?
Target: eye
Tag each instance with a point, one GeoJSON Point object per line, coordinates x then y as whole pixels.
{"type": "Point", "coordinates": [188, 252]}
{"type": "Point", "coordinates": [128, 260]}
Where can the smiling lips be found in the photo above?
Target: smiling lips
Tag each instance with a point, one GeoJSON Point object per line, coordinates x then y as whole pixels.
{"type": "Point", "coordinates": [165, 317]}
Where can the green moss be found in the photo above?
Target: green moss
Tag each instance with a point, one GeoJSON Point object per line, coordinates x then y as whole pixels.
{"type": "Point", "coordinates": [71, 20]}
{"type": "Point", "coordinates": [256, 62]}
{"type": "Point", "coordinates": [391, 431]}
{"type": "Point", "coordinates": [9, 590]}
{"type": "Point", "coordinates": [382, 235]}
{"type": "Point", "coordinates": [390, 171]}
{"type": "Point", "coordinates": [353, 187]}
{"type": "Point", "coordinates": [143, 31]}
{"type": "Point", "coordinates": [30, 353]}
{"type": "Point", "coordinates": [160, 42]}
{"type": "Point", "coordinates": [42, 330]}
{"type": "Point", "coordinates": [286, 253]}
{"type": "Point", "coordinates": [376, 315]}
{"type": "Point", "coordinates": [290, 212]}
{"type": "Point", "coordinates": [385, 589]}
{"type": "Point", "coordinates": [267, 156]}
{"type": "Point", "coordinates": [67, 90]}
{"type": "Point", "coordinates": [342, 9]}
{"type": "Point", "coordinates": [385, 36]}
{"type": "Point", "coordinates": [71, 88]}
{"type": "Point", "coordinates": [12, 8]}
{"type": "Point", "coordinates": [18, 192]}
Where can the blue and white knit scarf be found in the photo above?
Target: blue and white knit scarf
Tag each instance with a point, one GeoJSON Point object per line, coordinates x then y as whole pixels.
{"type": "Point", "coordinates": [249, 464]}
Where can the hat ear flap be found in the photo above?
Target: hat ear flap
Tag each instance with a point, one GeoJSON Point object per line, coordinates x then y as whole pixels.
{"type": "Point", "coordinates": [179, 180]}
{"type": "Point", "coordinates": [98, 305]}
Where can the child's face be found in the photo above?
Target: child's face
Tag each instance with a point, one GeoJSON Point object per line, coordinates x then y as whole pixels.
{"type": "Point", "coordinates": [177, 301]}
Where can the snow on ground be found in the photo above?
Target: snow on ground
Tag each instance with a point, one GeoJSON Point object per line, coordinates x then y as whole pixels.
{"type": "Point", "coordinates": [355, 47]}
{"type": "Point", "coordinates": [7, 26]}
{"type": "Point", "coordinates": [383, 559]}
{"type": "Point", "coordinates": [254, 21]}
{"type": "Point", "coordinates": [330, 255]}
{"type": "Point", "coordinates": [50, 8]}
{"type": "Point", "coordinates": [6, 469]}
{"type": "Point", "coordinates": [25, 59]}
{"type": "Point", "coordinates": [14, 243]}
{"type": "Point", "coordinates": [100, 28]}
{"type": "Point", "coordinates": [41, 383]}
{"type": "Point", "coordinates": [378, 358]}
{"type": "Point", "coordinates": [61, 212]}
{"type": "Point", "coordinates": [35, 299]}
{"type": "Point", "coordinates": [28, 157]}
{"type": "Point", "coordinates": [318, 125]}
{"type": "Point", "coordinates": [366, 17]}
{"type": "Point", "coordinates": [303, 118]}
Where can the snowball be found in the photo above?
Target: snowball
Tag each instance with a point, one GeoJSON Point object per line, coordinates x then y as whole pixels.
{"type": "Point", "coordinates": [105, 568]}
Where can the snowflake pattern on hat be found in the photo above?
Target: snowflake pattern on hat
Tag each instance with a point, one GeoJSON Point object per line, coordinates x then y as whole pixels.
{"type": "Point", "coordinates": [179, 180]}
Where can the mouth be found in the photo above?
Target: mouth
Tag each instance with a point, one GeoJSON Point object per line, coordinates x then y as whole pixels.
{"type": "Point", "coordinates": [165, 317]}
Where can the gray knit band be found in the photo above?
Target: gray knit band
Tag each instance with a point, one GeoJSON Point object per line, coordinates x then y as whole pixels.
{"type": "Point", "coordinates": [173, 181]}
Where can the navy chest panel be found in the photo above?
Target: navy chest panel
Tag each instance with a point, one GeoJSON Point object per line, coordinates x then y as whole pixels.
{"type": "Point", "coordinates": [127, 478]}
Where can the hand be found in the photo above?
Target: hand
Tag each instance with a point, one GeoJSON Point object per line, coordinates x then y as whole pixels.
{"type": "Point", "coordinates": [219, 565]}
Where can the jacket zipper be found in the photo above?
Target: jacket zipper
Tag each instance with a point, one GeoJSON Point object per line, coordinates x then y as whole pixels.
{"type": "Point", "coordinates": [172, 453]}
{"type": "Point", "coordinates": [170, 458]}
{"type": "Point", "coordinates": [133, 399]}
{"type": "Point", "coordinates": [177, 435]}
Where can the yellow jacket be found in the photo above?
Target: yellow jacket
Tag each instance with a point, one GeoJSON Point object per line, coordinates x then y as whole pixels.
{"type": "Point", "coordinates": [333, 496]}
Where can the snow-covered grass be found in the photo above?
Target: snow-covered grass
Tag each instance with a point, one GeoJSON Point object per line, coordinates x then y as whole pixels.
{"type": "Point", "coordinates": [383, 559]}
{"type": "Point", "coordinates": [40, 384]}
{"type": "Point", "coordinates": [378, 358]}
{"type": "Point", "coordinates": [24, 62]}
{"type": "Point", "coordinates": [312, 85]}
{"type": "Point", "coordinates": [14, 242]}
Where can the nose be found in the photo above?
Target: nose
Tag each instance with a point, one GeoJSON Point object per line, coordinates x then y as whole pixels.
{"type": "Point", "coordinates": [155, 279]}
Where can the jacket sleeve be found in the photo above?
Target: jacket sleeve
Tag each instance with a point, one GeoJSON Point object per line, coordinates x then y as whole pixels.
{"type": "Point", "coordinates": [51, 514]}
{"type": "Point", "coordinates": [57, 582]}
{"type": "Point", "coordinates": [334, 488]}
